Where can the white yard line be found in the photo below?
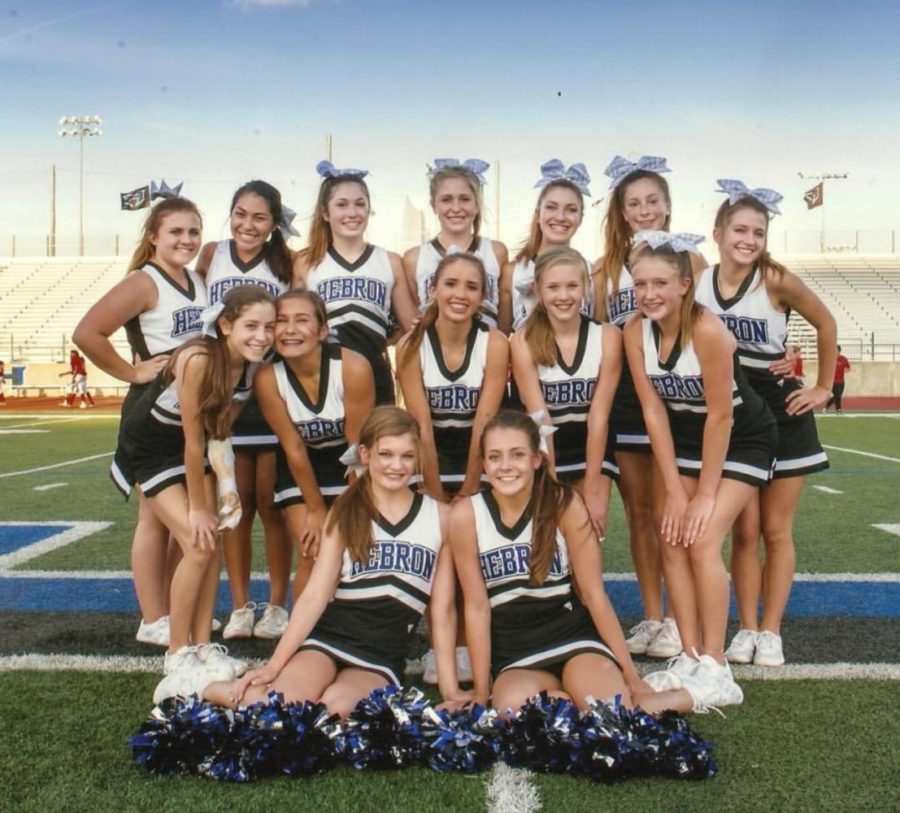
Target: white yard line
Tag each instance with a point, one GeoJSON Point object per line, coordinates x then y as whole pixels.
{"type": "Point", "coordinates": [57, 465]}
{"type": "Point", "coordinates": [889, 527]}
{"type": "Point", "coordinates": [49, 486]}
{"type": "Point", "coordinates": [79, 530]}
{"type": "Point", "coordinates": [862, 454]}
{"type": "Point", "coordinates": [827, 490]}
{"type": "Point", "coordinates": [511, 790]}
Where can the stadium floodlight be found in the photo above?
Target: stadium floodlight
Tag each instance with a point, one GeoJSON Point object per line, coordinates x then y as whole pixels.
{"type": "Point", "coordinates": [80, 127]}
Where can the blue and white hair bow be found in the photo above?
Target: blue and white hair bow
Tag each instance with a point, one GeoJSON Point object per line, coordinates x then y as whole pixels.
{"type": "Point", "coordinates": [351, 460]}
{"type": "Point", "coordinates": [163, 190]}
{"type": "Point", "coordinates": [677, 242]}
{"type": "Point", "coordinates": [620, 167]}
{"type": "Point", "coordinates": [208, 319]}
{"type": "Point", "coordinates": [328, 170]}
{"type": "Point", "coordinates": [555, 170]}
{"type": "Point", "coordinates": [475, 165]}
{"type": "Point", "coordinates": [284, 225]}
{"type": "Point", "coordinates": [525, 283]}
{"type": "Point", "coordinates": [737, 190]}
{"type": "Point", "coordinates": [544, 429]}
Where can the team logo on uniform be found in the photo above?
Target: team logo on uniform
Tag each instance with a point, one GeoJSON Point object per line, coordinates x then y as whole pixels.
{"type": "Point", "coordinates": [621, 303]}
{"type": "Point", "coordinates": [745, 329]}
{"type": "Point", "coordinates": [361, 289]}
{"type": "Point", "coordinates": [513, 560]}
{"type": "Point", "coordinates": [568, 393]}
{"type": "Point", "coordinates": [397, 557]}
{"type": "Point", "coordinates": [321, 429]}
{"type": "Point", "coordinates": [673, 387]}
{"type": "Point", "coordinates": [456, 398]}
{"type": "Point", "coordinates": [221, 287]}
{"type": "Point", "coordinates": [186, 320]}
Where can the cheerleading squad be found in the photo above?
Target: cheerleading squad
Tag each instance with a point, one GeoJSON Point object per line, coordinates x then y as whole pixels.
{"type": "Point", "coordinates": [260, 384]}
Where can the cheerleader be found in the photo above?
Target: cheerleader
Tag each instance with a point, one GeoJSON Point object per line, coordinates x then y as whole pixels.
{"type": "Point", "coordinates": [456, 194]}
{"type": "Point", "coordinates": [380, 559]}
{"type": "Point", "coordinates": [256, 254]}
{"type": "Point", "coordinates": [753, 295]}
{"type": "Point", "coordinates": [566, 367]}
{"type": "Point", "coordinates": [453, 373]}
{"type": "Point", "coordinates": [159, 303]}
{"type": "Point", "coordinates": [639, 200]}
{"type": "Point", "coordinates": [361, 284]}
{"type": "Point", "coordinates": [713, 440]}
{"type": "Point", "coordinates": [162, 451]}
{"type": "Point", "coordinates": [537, 616]}
{"type": "Point", "coordinates": [557, 216]}
{"type": "Point", "coordinates": [315, 396]}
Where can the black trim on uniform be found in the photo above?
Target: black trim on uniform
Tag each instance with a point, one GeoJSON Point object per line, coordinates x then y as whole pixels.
{"type": "Point", "coordinates": [404, 523]}
{"type": "Point", "coordinates": [473, 246]}
{"type": "Point", "coordinates": [726, 304]}
{"type": "Point", "coordinates": [356, 264]}
{"type": "Point", "coordinates": [507, 532]}
{"type": "Point", "coordinates": [668, 365]}
{"type": "Point", "coordinates": [388, 580]}
{"type": "Point", "coordinates": [190, 292]}
{"type": "Point", "coordinates": [240, 264]}
{"type": "Point", "coordinates": [579, 349]}
{"type": "Point", "coordinates": [324, 376]}
{"type": "Point", "coordinates": [439, 355]}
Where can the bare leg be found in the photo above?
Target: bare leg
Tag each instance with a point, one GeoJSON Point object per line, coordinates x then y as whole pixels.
{"type": "Point", "coordinates": [779, 505]}
{"type": "Point", "coordinates": [148, 563]}
{"type": "Point", "coordinates": [236, 543]}
{"type": "Point", "coordinates": [279, 554]}
{"type": "Point", "coordinates": [636, 489]}
{"type": "Point", "coordinates": [746, 570]}
{"type": "Point", "coordinates": [350, 686]}
{"type": "Point", "coordinates": [593, 674]}
{"type": "Point", "coordinates": [295, 516]}
{"type": "Point", "coordinates": [514, 687]}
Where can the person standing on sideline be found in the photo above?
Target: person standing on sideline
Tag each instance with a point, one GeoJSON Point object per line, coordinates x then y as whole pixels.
{"type": "Point", "coordinates": [841, 367]}
{"type": "Point", "coordinates": [798, 361]}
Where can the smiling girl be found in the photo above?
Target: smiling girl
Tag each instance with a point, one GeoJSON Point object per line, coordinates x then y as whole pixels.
{"type": "Point", "coordinates": [162, 449]}
{"type": "Point", "coordinates": [360, 283]}
{"type": "Point", "coordinates": [713, 440]}
{"type": "Point", "coordinates": [754, 295]}
{"type": "Point", "coordinates": [315, 396]}
{"type": "Point", "coordinates": [159, 304]}
{"type": "Point", "coordinates": [456, 193]}
{"type": "Point", "coordinates": [257, 255]}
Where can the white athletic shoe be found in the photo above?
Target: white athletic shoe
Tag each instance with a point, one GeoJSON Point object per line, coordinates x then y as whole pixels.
{"type": "Point", "coordinates": [642, 635]}
{"type": "Point", "coordinates": [156, 633]}
{"type": "Point", "coordinates": [273, 622]}
{"type": "Point", "coordinates": [183, 683]}
{"type": "Point", "coordinates": [769, 651]}
{"type": "Point", "coordinates": [667, 643]}
{"type": "Point", "coordinates": [718, 681]}
{"type": "Point", "coordinates": [682, 665]}
{"type": "Point", "coordinates": [181, 660]}
{"type": "Point", "coordinates": [742, 647]}
{"type": "Point", "coordinates": [216, 625]}
{"type": "Point", "coordinates": [463, 665]}
{"type": "Point", "coordinates": [429, 668]}
{"type": "Point", "coordinates": [217, 655]}
{"type": "Point", "coordinates": [240, 625]}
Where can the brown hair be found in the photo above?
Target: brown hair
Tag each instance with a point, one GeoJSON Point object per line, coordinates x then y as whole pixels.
{"type": "Point", "coordinates": [145, 250]}
{"type": "Point", "coordinates": [549, 499]}
{"type": "Point", "coordinates": [354, 510]}
{"type": "Point", "coordinates": [320, 238]}
{"type": "Point", "coordinates": [617, 236]}
{"type": "Point", "coordinates": [538, 330]}
{"type": "Point", "coordinates": [278, 255]}
{"type": "Point", "coordinates": [726, 210]}
{"type": "Point", "coordinates": [465, 174]}
{"type": "Point", "coordinates": [215, 387]}
{"type": "Point", "coordinates": [429, 317]}
{"type": "Point", "coordinates": [307, 295]}
{"type": "Point", "coordinates": [681, 262]}
{"type": "Point", "coordinates": [532, 244]}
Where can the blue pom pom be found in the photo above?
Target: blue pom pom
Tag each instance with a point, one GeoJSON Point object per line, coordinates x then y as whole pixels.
{"type": "Point", "coordinates": [466, 741]}
{"type": "Point", "coordinates": [384, 730]}
{"type": "Point", "coordinates": [543, 735]}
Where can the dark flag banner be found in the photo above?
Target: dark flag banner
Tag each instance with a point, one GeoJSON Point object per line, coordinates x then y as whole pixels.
{"type": "Point", "coordinates": [136, 199]}
{"type": "Point", "coordinates": [815, 196]}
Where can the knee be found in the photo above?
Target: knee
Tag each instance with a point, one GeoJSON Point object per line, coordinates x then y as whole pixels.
{"type": "Point", "coordinates": [778, 536]}
{"type": "Point", "coordinates": [338, 702]}
{"type": "Point", "coordinates": [199, 557]}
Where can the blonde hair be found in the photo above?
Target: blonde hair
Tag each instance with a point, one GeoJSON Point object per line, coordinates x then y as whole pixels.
{"type": "Point", "coordinates": [724, 214]}
{"type": "Point", "coordinates": [145, 250]}
{"type": "Point", "coordinates": [320, 237]}
{"type": "Point", "coordinates": [465, 174]}
{"type": "Point", "coordinates": [532, 244]}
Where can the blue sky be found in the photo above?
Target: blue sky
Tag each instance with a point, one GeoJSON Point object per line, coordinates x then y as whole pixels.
{"type": "Point", "coordinates": [214, 92]}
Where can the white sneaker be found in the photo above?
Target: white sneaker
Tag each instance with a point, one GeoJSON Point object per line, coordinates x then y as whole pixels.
{"type": "Point", "coordinates": [642, 635]}
{"type": "Point", "coordinates": [183, 683]}
{"type": "Point", "coordinates": [719, 681]}
{"type": "Point", "coordinates": [156, 633]}
{"type": "Point", "coordinates": [216, 625]}
{"type": "Point", "coordinates": [83, 405]}
{"type": "Point", "coordinates": [463, 665]}
{"type": "Point", "coordinates": [429, 668]}
{"type": "Point", "coordinates": [667, 643]}
{"type": "Point", "coordinates": [682, 665]}
{"type": "Point", "coordinates": [273, 622]}
{"type": "Point", "coordinates": [742, 647]}
{"type": "Point", "coordinates": [216, 655]}
{"type": "Point", "coordinates": [769, 651]}
{"type": "Point", "coordinates": [240, 625]}
{"type": "Point", "coordinates": [181, 660]}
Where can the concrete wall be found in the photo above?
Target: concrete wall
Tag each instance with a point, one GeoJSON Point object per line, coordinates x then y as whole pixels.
{"type": "Point", "coordinates": [44, 379]}
{"type": "Point", "coordinates": [881, 378]}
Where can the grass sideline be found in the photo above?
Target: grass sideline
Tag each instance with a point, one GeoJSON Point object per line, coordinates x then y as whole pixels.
{"type": "Point", "coordinates": [805, 746]}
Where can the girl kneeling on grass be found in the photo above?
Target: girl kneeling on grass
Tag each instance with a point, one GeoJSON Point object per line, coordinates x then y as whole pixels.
{"type": "Point", "coordinates": [162, 449]}
{"type": "Point", "coordinates": [537, 616]}
{"type": "Point", "coordinates": [712, 439]}
{"type": "Point", "coordinates": [380, 558]}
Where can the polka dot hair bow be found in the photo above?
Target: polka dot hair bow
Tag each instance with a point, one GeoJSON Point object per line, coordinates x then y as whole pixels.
{"type": "Point", "coordinates": [475, 165]}
{"type": "Point", "coordinates": [555, 170]}
{"type": "Point", "coordinates": [620, 167]}
{"type": "Point", "coordinates": [737, 190]}
{"type": "Point", "coordinates": [677, 242]}
{"type": "Point", "coordinates": [163, 190]}
{"type": "Point", "coordinates": [208, 319]}
{"type": "Point", "coordinates": [284, 225]}
{"type": "Point", "coordinates": [544, 429]}
{"type": "Point", "coordinates": [328, 170]}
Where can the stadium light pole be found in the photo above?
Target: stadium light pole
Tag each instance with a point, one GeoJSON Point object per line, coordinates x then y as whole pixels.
{"type": "Point", "coordinates": [80, 127]}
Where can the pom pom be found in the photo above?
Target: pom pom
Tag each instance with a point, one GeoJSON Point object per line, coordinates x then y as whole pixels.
{"type": "Point", "coordinates": [543, 735]}
{"type": "Point", "coordinates": [467, 741]}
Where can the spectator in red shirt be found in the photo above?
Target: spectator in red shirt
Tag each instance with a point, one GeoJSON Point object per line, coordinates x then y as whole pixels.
{"type": "Point", "coordinates": [841, 366]}
{"type": "Point", "coordinates": [78, 371]}
{"type": "Point", "coordinates": [798, 361]}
